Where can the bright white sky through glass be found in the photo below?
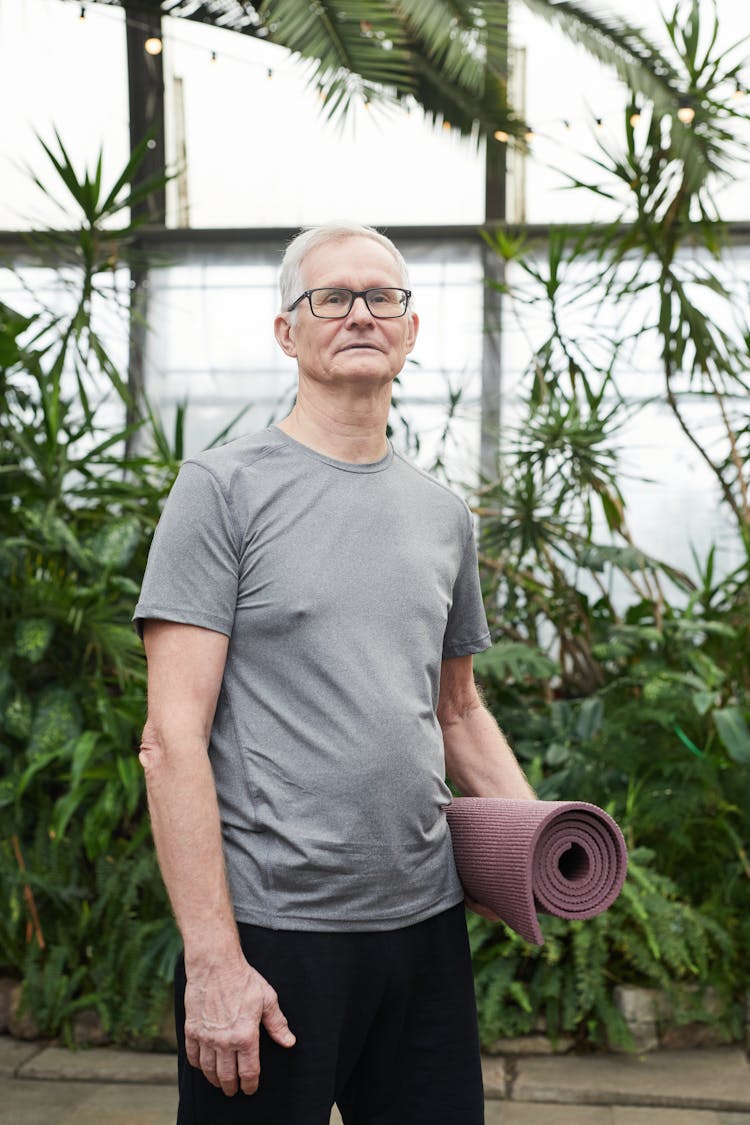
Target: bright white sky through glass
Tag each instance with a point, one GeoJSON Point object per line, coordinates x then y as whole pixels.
{"type": "Point", "coordinates": [259, 152]}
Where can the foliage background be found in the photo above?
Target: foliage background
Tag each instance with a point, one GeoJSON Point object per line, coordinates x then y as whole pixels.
{"type": "Point", "coordinates": [638, 703]}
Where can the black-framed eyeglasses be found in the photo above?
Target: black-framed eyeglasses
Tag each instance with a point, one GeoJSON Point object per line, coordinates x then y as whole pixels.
{"type": "Point", "coordinates": [334, 304]}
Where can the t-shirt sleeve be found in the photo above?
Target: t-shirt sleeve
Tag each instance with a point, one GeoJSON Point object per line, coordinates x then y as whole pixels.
{"type": "Point", "coordinates": [193, 564]}
{"type": "Point", "coordinates": [466, 631]}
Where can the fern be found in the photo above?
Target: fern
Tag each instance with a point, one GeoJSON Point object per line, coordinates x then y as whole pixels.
{"type": "Point", "coordinates": [649, 937]}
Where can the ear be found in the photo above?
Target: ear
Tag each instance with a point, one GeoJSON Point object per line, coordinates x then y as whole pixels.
{"type": "Point", "coordinates": [411, 334]}
{"type": "Point", "coordinates": [283, 330]}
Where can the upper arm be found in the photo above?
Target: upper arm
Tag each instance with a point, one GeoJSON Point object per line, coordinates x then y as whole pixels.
{"type": "Point", "coordinates": [185, 671]}
{"type": "Point", "coordinates": [458, 692]}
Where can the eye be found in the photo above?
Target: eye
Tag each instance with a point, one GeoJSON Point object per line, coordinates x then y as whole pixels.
{"type": "Point", "coordinates": [384, 297]}
{"type": "Point", "coordinates": [331, 298]}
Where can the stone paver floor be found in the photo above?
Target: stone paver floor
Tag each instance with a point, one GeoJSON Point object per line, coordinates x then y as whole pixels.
{"type": "Point", "coordinates": [41, 1084]}
{"type": "Point", "coordinates": [24, 1102]}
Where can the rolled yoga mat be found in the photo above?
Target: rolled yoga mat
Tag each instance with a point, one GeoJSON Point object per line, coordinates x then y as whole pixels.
{"type": "Point", "coordinates": [566, 858]}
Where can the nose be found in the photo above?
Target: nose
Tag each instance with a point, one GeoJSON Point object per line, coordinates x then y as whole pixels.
{"type": "Point", "coordinates": [359, 310]}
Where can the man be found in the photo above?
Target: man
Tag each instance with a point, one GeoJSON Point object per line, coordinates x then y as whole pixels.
{"type": "Point", "coordinates": [309, 612]}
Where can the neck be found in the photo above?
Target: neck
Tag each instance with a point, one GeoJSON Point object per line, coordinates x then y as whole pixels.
{"type": "Point", "coordinates": [353, 431]}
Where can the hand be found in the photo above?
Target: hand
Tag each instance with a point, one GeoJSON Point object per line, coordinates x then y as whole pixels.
{"type": "Point", "coordinates": [484, 911]}
{"type": "Point", "coordinates": [223, 1013]}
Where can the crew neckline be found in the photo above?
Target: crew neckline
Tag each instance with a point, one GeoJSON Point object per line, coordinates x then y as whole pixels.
{"type": "Point", "coordinates": [344, 466]}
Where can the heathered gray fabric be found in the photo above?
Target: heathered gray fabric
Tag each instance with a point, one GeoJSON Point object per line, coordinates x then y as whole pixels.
{"type": "Point", "coordinates": [340, 587]}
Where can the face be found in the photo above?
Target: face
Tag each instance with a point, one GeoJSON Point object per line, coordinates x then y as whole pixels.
{"type": "Point", "coordinates": [358, 347]}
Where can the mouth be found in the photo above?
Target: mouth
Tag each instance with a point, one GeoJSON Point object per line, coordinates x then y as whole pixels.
{"type": "Point", "coordinates": [360, 348]}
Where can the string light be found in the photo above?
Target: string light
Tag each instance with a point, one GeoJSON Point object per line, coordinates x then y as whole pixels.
{"type": "Point", "coordinates": [154, 45]}
{"type": "Point", "coordinates": [106, 12]}
{"type": "Point", "coordinates": [686, 111]}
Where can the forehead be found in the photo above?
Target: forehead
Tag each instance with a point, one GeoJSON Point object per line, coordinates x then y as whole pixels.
{"type": "Point", "coordinates": [354, 262]}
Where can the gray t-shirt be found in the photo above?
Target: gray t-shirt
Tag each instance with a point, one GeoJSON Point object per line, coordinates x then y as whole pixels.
{"type": "Point", "coordinates": [341, 586]}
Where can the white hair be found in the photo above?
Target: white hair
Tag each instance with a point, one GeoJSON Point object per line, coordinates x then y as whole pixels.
{"type": "Point", "coordinates": [290, 280]}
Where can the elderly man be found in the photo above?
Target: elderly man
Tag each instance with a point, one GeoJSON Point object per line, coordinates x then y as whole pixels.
{"type": "Point", "coordinates": [309, 611]}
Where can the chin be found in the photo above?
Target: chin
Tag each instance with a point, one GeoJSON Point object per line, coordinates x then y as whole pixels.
{"type": "Point", "coordinates": [364, 367]}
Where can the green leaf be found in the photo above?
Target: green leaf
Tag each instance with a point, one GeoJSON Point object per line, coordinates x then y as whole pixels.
{"type": "Point", "coordinates": [590, 717]}
{"type": "Point", "coordinates": [131, 775]}
{"type": "Point", "coordinates": [557, 754]}
{"type": "Point", "coordinates": [115, 544]}
{"type": "Point", "coordinates": [733, 731]}
{"type": "Point", "coordinates": [703, 701]}
{"type": "Point", "coordinates": [7, 792]}
{"type": "Point", "coordinates": [82, 754]}
{"type": "Point", "coordinates": [38, 764]}
{"type": "Point", "coordinates": [57, 721]}
{"type": "Point", "coordinates": [18, 716]}
{"type": "Point", "coordinates": [516, 660]}
{"type": "Point", "coordinates": [33, 635]}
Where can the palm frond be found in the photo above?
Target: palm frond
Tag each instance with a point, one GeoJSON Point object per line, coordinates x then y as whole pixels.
{"type": "Point", "coordinates": [449, 55]}
{"type": "Point", "coordinates": [640, 64]}
{"type": "Point", "coordinates": [362, 38]}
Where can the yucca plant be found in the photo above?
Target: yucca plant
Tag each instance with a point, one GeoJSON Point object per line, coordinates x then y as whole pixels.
{"type": "Point", "coordinates": [621, 678]}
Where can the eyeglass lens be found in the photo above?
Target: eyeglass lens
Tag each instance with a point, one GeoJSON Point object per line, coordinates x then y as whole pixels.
{"type": "Point", "coordinates": [333, 303]}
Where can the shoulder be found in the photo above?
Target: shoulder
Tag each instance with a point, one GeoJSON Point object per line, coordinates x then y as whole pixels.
{"type": "Point", "coordinates": [225, 462]}
{"type": "Point", "coordinates": [434, 491]}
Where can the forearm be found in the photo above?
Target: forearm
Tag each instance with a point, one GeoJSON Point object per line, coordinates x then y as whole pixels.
{"type": "Point", "coordinates": [187, 834]}
{"type": "Point", "coordinates": [478, 759]}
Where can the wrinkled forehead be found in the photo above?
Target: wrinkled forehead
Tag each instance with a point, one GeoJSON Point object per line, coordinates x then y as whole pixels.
{"type": "Point", "coordinates": [356, 262]}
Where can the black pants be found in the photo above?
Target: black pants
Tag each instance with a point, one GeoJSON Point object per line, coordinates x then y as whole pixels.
{"type": "Point", "coordinates": [385, 1023]}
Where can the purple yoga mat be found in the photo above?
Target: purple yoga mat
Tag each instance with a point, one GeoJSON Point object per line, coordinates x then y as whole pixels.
{"type": "Point", "coordinates": [566, 858]}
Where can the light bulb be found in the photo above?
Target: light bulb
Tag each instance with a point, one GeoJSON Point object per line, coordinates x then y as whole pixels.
{"type": "Point", "coordinates": [153, 45]}
{"type": "Point", "coordinates": [501, 135]}
{"type": "Point", "coordinates": [685, 112]}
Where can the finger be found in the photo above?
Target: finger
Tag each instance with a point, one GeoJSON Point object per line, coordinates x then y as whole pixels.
{"type": "Point", "coordinates": [275, 1023]}
{"type": "Point", "coordinates": [192, 1050]}
{"type": "Point", "coordinates": [248, 1068]}
{"type": "Point", "coordinates": [208, 1064]}
{"type": "Point", "coordinates": [226, 1071]}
